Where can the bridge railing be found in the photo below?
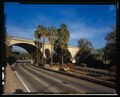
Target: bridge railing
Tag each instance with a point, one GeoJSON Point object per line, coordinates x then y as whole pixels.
{"type": "Point", "coordinates": [96, 71]}
{"type": "Point", "coordinates": [20, 37]}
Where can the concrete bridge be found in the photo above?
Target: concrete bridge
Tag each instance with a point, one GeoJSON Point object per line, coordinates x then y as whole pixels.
{"type": "Point", "coordinates": [29, 45]}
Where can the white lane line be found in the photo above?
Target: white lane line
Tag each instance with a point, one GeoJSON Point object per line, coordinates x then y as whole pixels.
{"type": "Point", "coordinates": [22, 82]}
{"type": "Point", "coordinates": [55, 79]}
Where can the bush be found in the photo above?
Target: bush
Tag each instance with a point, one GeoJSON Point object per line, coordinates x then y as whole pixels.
{"type": "Point", "coordinates": [70, 65]}
{"type": "Point", "coordinates": [83, 65]}
{"type": "Point", "coordinates": [42, 63]}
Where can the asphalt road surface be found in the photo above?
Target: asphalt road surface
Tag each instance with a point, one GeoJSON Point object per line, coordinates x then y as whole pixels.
{"type": "Point", "coordinates": [42, 81]}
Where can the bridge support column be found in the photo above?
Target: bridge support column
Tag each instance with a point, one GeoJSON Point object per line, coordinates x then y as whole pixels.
{"type": "Point", "coordinates": [73, 60]}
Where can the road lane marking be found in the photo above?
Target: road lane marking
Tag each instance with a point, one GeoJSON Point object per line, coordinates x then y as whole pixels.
{"type": "Point", "coordinates": [52, 89]}
{"type": "Point", "coordinates": [87, 83]}
{"type": "Point", "coordinates": [43, 74]}
{"type": "Point", "coordinates": [56, 80]}
{"type": "Point", "coordinates": [59, 80]}
{"type": "Point", "coordinates": [22, 82]}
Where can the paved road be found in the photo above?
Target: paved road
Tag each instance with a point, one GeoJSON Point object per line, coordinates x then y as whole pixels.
{"type": "Point", "coordinates": [40, 80]}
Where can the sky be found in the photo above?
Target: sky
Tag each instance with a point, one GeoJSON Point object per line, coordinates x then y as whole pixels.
{"type": "Point", "coordinates": [89, 21]}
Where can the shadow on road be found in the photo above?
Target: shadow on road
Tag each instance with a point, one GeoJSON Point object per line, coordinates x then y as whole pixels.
{"type": "Point", "coordinates": [18, 91]}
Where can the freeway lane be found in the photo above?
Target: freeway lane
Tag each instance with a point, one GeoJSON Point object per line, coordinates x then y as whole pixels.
{"type": "Point", "coordinates": [39, 80]}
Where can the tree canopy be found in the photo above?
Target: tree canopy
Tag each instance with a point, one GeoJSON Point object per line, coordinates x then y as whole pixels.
{"type": "Point", "coordinates": [110, 48]}
{"type": "Point", "coordinates": [61, 41]}
{"type": "Point", "coordinates": [84, 50]}
{"type": "Point", "coordinates": [84, 44]}
{"type": "Point", "coordinates": [58, 39]}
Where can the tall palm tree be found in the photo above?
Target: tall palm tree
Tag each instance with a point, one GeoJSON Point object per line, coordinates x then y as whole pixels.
{"type": "Point", "coordinates": [44, 33]}
{"type": "Point", "coordinates": [52, 33]}
{"type": "Point", "coordinates": [63, 38]}
{"type": "Point", "coordinates": [37, 35]}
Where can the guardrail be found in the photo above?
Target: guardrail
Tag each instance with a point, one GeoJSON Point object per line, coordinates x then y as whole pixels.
{"type": "Point", "coordinates": [96, 71]}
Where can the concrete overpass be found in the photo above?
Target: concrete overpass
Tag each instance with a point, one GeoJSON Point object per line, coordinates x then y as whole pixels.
{"type": "Point", "coordinates": [29, 45]}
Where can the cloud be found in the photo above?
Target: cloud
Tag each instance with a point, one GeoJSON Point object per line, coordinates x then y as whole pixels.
{"type": "Point", "coordinates": [93, 34]}
{"type": "Point", "coordinates": [42, 17]}
{"type": "Point", "coordinates": [100, 43]}
{"type": "Point", "coordinates": [111, 8]}
{"type": "Point", "coordinates": [80, 30]}
{"type": "Point", "coordinates": [19, 32]}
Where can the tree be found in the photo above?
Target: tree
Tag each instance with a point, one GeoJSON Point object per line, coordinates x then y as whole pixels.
{"type": "Point", "coordinates": [82, 56]}
{"type": "Point", "coordinates": [43, 31]}
{"type": "Point", "coordinates": [110, 48]}
{"type": "Point", "coordinates": [8, 50]}
{"type": "Point", "coordinates": [37, 35]}
{"type": "Point", "coordinates": [52, 33]}
{"type": "Point", "coordinates": [84, 51]}
{"type": "Point", "coordinates": [111, 37]}
{"type": "Point", "coordinates": [63, 38]}
{"type": "Point", "coordinates": [84, 44]}
{"type": "Point", "coordinates": [58, 52]}
{"type": "Point", "coordinates": [67, 56]}
{"type": "Point", "coordinates": [7, 47]}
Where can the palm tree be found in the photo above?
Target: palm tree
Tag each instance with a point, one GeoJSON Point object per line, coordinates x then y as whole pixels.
{"type": "Point", "coordinates": [36, 38]}
{"type": "Point", "coordinates": [51, 36]}
{"type": "Point", "coordinates": [37, 35]}
{"type": "Point", "coordinates": [44, 33]}
{"type": "Point", "coordinates": [63, 38]}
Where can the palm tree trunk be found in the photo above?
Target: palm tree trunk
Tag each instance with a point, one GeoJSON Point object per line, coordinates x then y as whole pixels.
{"type": "Point", "coordinates": [37, 53]}
{"type": "Point", "coordinates": [62, 57]}
{"type": "Point", "coordinates": [51, 55]}
{"type": "Point", "coordinates": [43, 48]}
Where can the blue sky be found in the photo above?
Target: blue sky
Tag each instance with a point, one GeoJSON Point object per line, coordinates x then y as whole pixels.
{"type": "Point", "coordinates": [84, 21]}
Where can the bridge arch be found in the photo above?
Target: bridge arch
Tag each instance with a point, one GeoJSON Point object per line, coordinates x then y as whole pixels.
{"type": "Point", "coordinates": [73, 50]}
{"type": "Point", "coordinates": [30, 46]}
